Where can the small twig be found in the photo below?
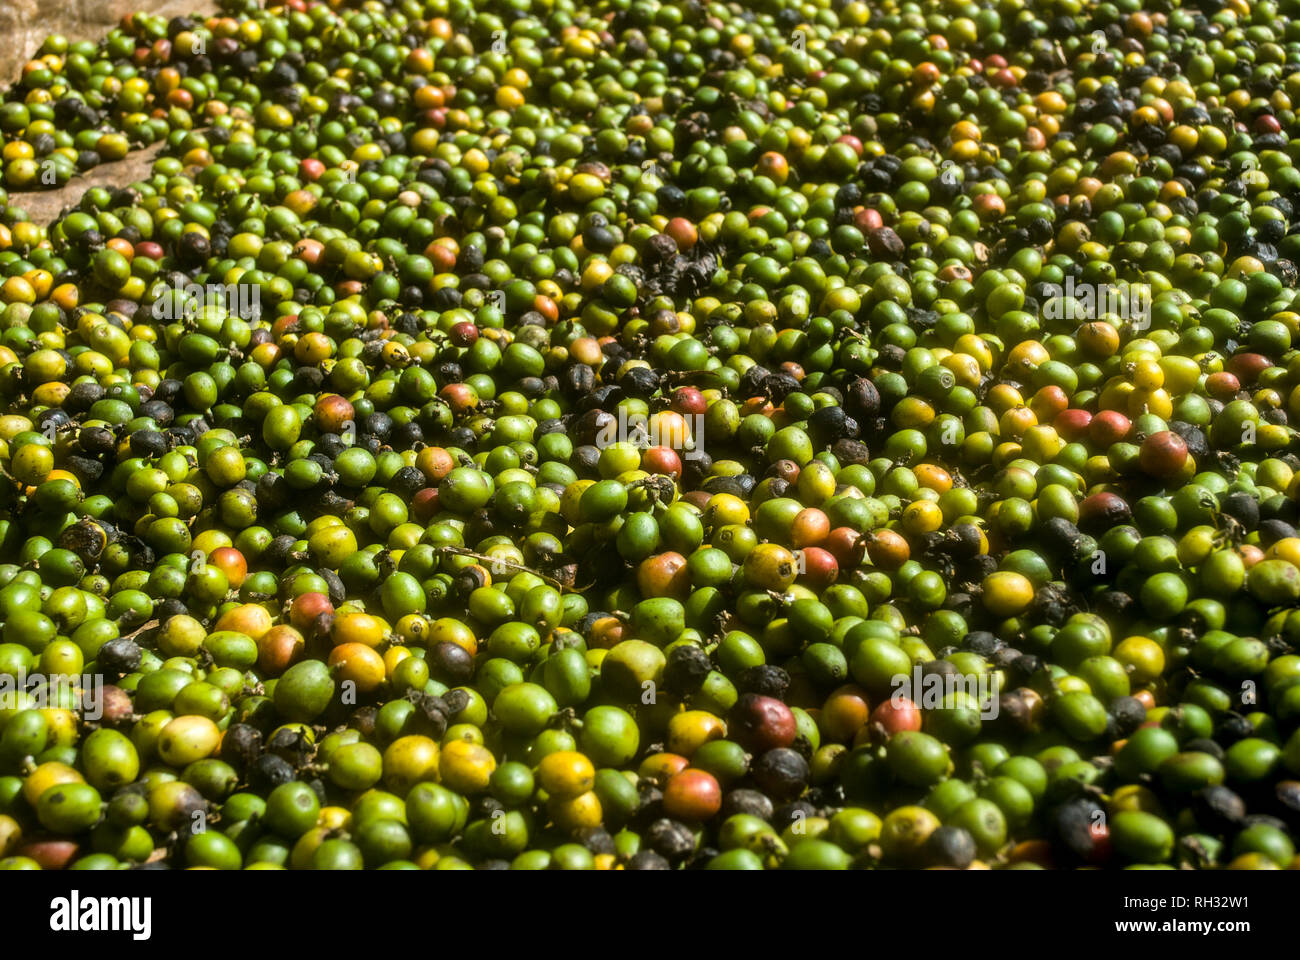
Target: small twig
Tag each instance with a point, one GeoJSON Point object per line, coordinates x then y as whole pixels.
{"type": "Point", "coordinates": [147, 625]}
{"type": "Point", "coordinates": [499, 562]}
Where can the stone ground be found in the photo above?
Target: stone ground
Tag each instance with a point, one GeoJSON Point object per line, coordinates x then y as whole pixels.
{"type": "Point", "coordinates": [24, 25]}
{"type": "Point", "coordinates": [45, 206]}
